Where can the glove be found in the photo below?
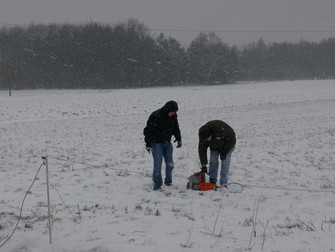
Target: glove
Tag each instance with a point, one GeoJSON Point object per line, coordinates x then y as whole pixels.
{"type": "Point", "coordinates": [148, 148]}
{"type": "Point", "coordinates": [179, 143]}
{"type": "Point", "coordinates": [204, 169]}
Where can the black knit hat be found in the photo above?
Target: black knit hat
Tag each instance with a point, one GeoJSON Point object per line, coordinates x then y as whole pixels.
{"type": "Point", "coordinates": [204, 132]}
{"type": "Point", "coordinates": [171, 106]}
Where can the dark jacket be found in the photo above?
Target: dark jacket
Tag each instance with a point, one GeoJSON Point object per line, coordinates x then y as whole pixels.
{"type": "Point", "coordinates": [223, 139]}
{"type": "Point", "coordinates": [160, 127]}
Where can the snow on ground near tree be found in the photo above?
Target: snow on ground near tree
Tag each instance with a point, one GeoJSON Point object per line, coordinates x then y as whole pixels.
{"type": "Point", "coordinates": [100, 174]}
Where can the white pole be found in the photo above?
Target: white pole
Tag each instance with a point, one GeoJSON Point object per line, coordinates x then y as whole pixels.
{"type": "Point", "coordinates": [48, 194]}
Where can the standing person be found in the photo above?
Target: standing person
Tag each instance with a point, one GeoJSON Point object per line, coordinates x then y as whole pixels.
{"type": "Point", "coordinates": [220, 138]}
{"type": "Point", "coordinates": [161, 126]}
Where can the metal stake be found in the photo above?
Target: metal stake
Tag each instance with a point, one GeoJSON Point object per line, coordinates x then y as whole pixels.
{"type": "Point", "coordinates": [48, 194]}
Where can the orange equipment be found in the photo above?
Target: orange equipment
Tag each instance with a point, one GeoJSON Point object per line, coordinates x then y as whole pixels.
{"type": "Point", "coordinates": [197, 181]}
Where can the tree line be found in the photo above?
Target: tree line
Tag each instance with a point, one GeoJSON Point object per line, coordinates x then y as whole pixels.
{"type": "Point", "coordinates": [126, 54]}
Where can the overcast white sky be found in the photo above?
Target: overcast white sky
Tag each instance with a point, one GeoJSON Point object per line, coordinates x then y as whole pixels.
{"type": "Point", "coordinates": [235, 21]}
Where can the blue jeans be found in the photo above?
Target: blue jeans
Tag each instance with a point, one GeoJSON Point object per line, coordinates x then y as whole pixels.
{"type": "Point", "coordinates": [214, 166]}
{"type": "Point", "coordinates": [160, 150]}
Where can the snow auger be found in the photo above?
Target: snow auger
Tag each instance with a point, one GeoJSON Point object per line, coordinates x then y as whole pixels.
{"type": "Point", "coordinates": [197, 181]}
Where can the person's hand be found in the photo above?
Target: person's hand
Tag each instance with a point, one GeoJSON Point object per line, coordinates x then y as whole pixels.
{"type": "Point", "coordinates": [148, 148]}
{"type": "Point", "coordinates": [179, 143]}
{"type": "Point", "coordinates": [204, 169]}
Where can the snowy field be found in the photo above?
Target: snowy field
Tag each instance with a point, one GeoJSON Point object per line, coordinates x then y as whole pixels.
{"type": "Point", "coordinates": [100, 174]}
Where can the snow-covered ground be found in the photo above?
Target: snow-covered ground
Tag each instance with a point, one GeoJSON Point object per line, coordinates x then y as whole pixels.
{"type": "Point", "coordinates": [100, 174]}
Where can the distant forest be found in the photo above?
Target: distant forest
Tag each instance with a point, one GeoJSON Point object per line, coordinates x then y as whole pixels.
{"type": "Point", "coordinates": [127, 55]}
